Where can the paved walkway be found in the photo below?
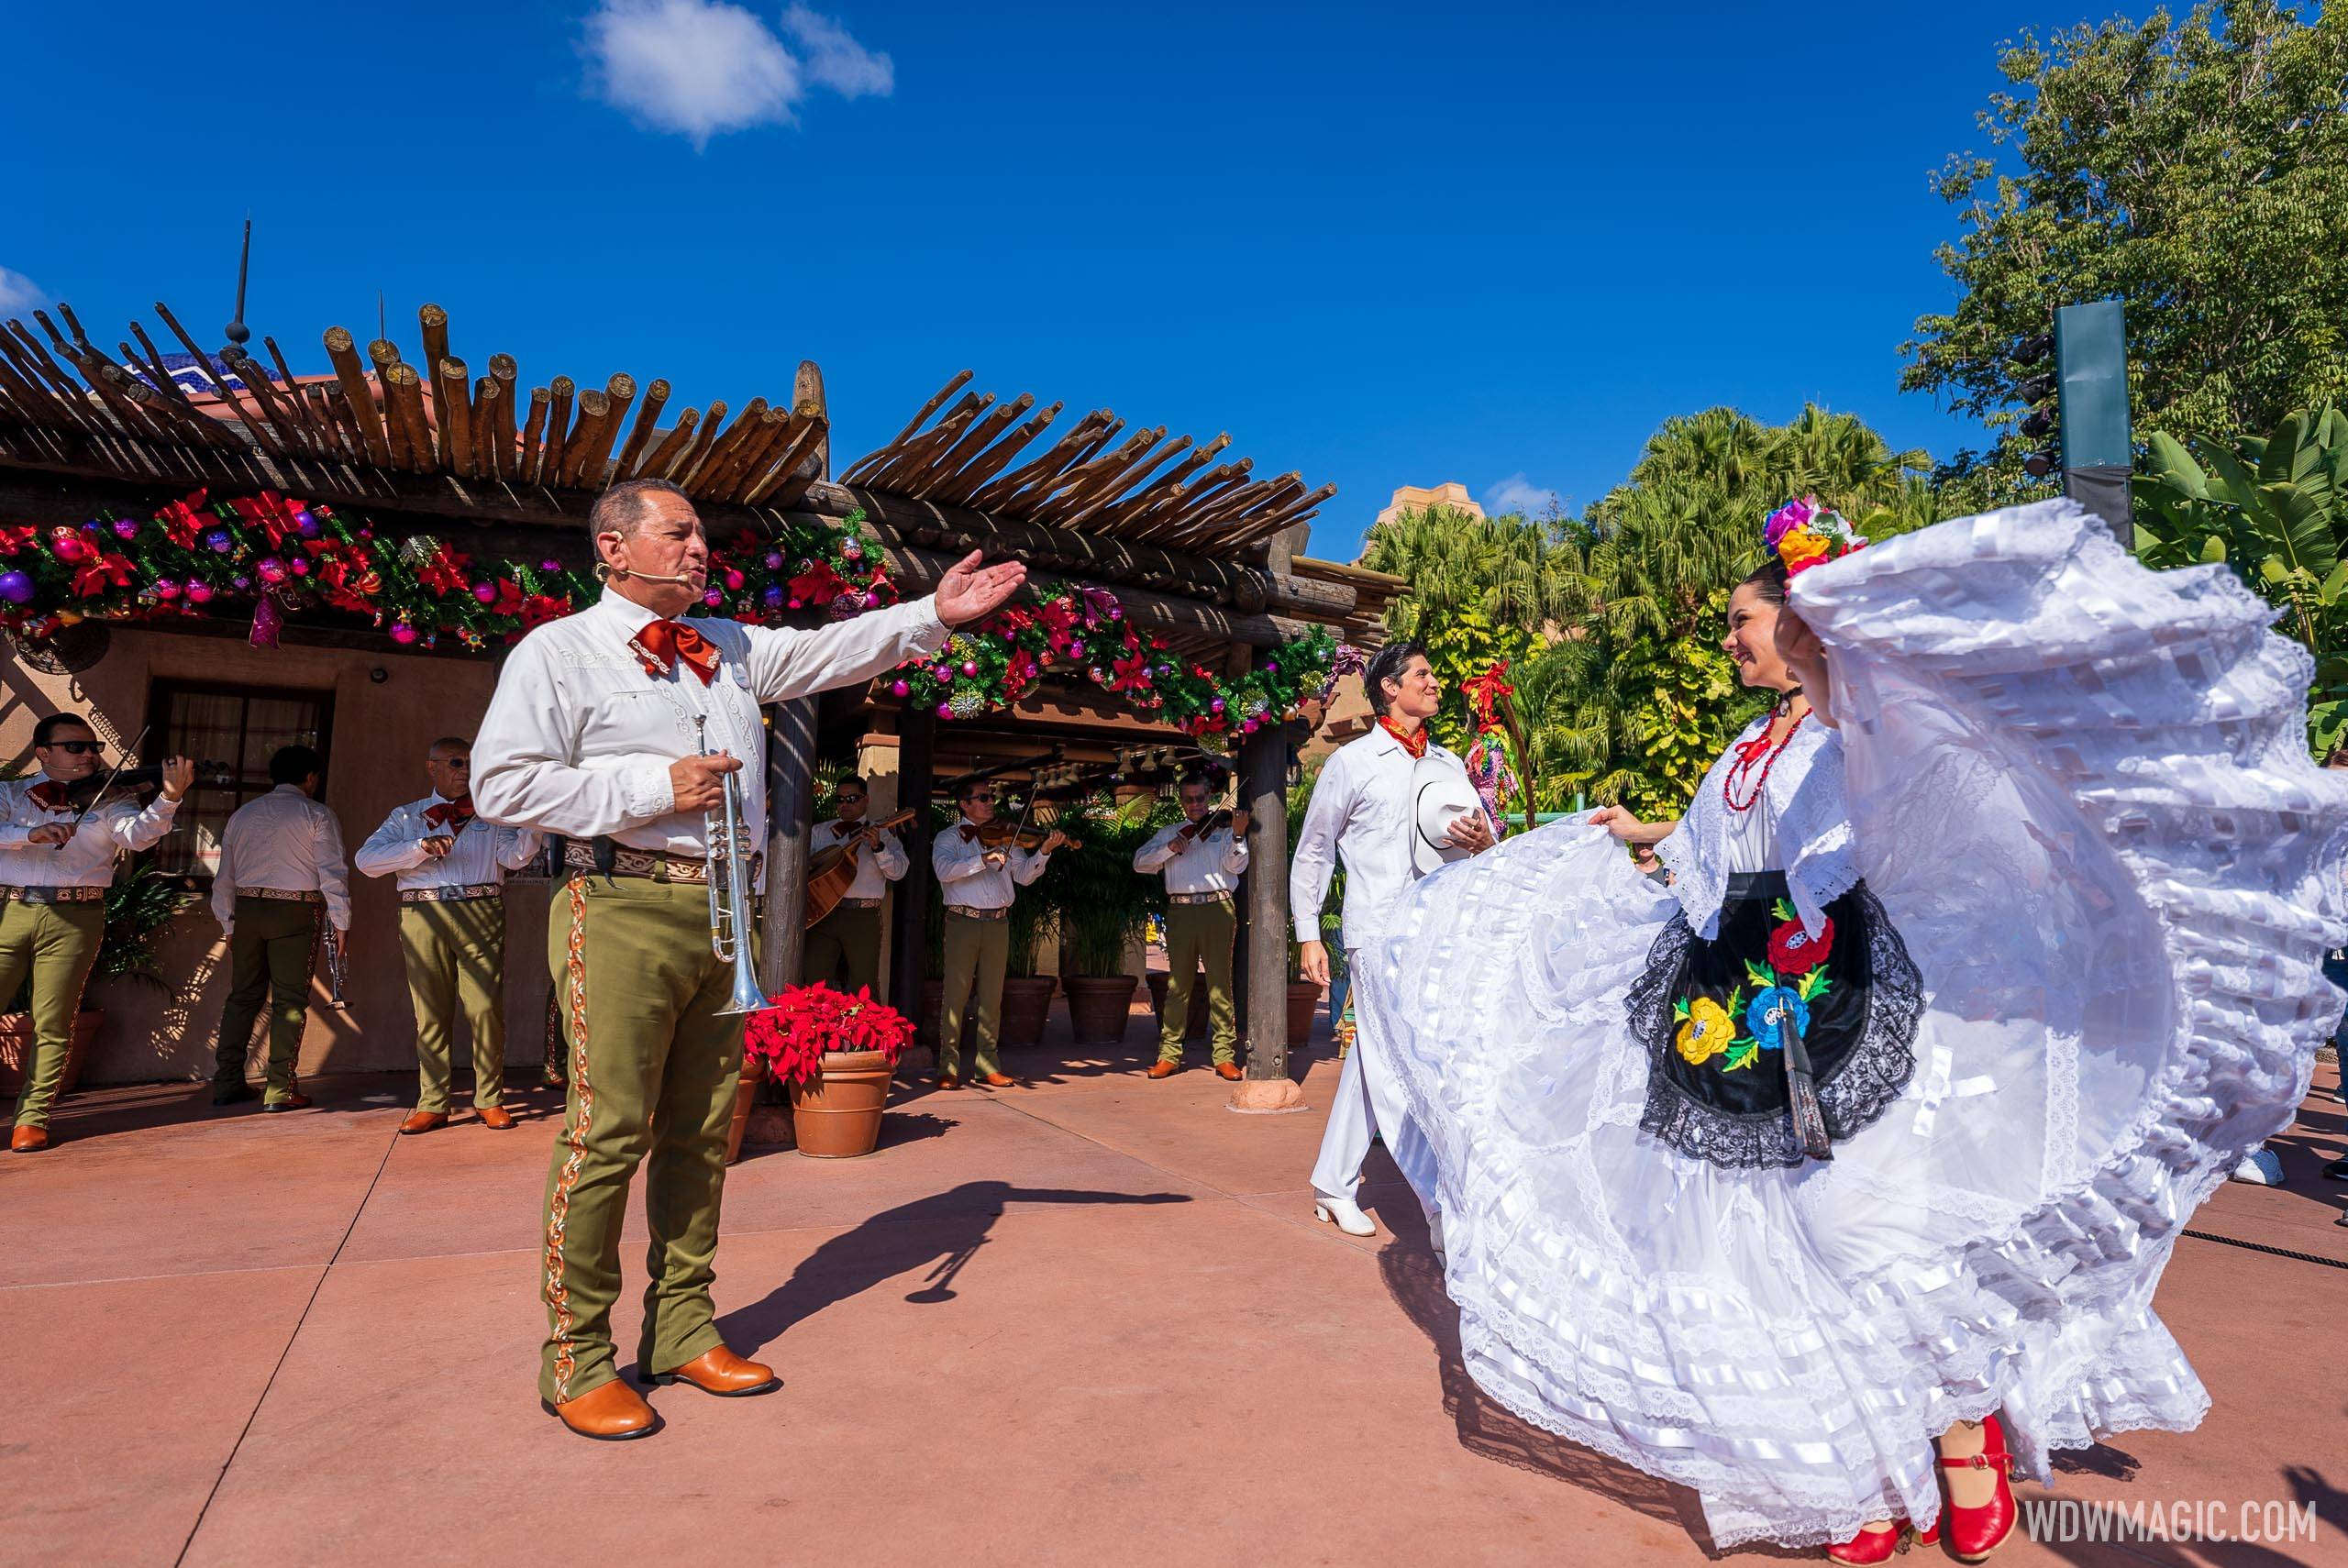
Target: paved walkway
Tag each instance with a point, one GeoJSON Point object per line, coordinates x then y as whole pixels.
{"type": "Point", "coordinates": [1085, 1322]}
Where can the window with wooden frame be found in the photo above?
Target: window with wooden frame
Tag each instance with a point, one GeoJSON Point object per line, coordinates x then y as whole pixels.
{"type": "Point", "coordinates": [231, 732]}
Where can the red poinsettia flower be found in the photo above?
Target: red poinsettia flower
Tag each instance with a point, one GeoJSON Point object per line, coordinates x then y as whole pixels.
{"type": "Point", "coordinates": [819, 584]}
{"type": "Point", "coordinates": [509, 598]}
{"type": "Point", "coordinates": [107, 570]}
{"type": "Point", "coordinates": [1059, 618]}
{"type": "Point", "coordinates": [181, 521]}
{"type": "Point", "coordinates": [16, 541]}
{"type": "Point", "coordinates": [1793, 951]}
{"type": "Point", "coordinates": [792, 1033]}
{"type": "Point", "coordinates": [540, 608]}
{"type": "Point", "coordinates": [444, 572]}
{"type": "Point", "coordinates": [1130, 672]}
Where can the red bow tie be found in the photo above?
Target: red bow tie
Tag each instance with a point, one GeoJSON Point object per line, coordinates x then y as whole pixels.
{"type": "Point", "coordinates": [447, 812]}
{"type": "Point", "coordinates": [968, 833]}
{"type": "Point", "coordinates": [50, 796]}
{"type": "Point", "coordinates": [1415, 741]}
{"type": "Point", "coordinates": [661, 644]}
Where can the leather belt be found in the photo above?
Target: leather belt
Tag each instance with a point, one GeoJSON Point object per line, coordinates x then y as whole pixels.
{"type": "Point", "coordinates": [1198, 897]}
{"type": "Point", "coordinates": [1003, 914]}
{"type": "Point", "coordinates": [653, 863]}
{"type": "Point", "coordinates": [52, 895]}
{"type": "Point", "coordinates": [450, 894]}
{"type": "Point", "coordinates": [858, 904]}
{"type": "Point", "coordinates": [284, 895]}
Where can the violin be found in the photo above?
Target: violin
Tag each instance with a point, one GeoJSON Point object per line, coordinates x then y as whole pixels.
{"type": "Point", "coordinates": [1207, 826]}
{"type": "Point", "coordinates": [998, 834]}
{"type": "Point", "coordinates": [83, 793]}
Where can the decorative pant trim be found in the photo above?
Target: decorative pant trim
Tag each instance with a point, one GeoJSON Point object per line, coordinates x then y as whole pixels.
{"type": "Point", "coordinates": [574, 1135]}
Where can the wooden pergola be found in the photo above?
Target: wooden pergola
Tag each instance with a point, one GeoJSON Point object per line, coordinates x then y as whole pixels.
{"type": "Point", "coordinates": [1196, 548]}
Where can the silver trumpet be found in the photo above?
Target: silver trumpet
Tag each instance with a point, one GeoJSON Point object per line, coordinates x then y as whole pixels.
{"type": "Point", "coordinates": [730, 890]}
{"type": "Point", "coordinates": [338, 972]}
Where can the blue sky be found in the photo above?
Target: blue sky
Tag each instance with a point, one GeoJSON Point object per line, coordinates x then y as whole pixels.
{"type": "Point", "coordinates": [1382, 245]}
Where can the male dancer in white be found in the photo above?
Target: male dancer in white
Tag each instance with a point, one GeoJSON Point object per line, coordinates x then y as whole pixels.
{"type": "Point", "coordinates": [1363, 812]}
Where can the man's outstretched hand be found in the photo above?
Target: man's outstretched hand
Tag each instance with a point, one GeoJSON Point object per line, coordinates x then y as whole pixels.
{"type": "Point", "coordinates": [968, 589]}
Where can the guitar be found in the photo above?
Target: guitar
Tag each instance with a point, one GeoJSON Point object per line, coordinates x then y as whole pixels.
{"type": "Point", "coordinates": [832, 872]}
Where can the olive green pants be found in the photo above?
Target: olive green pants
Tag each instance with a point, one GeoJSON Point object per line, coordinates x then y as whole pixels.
{"type": "Point", "coordinates": [56, 943]}
{"type": "Point", "coordinates": [1197, 934]}
{"type": "Point", "coordinates": [456, 961]}
{"type": "Point", "coordinates": [976, 951]}
{"type": "Point", "coordinates": [273, 948]}
{"type": "Point", "coordinates": [844, 936]}
{"type": "Point", "coordinates": [652, 1072]}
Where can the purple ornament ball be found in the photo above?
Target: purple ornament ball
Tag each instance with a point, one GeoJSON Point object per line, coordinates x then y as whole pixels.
{"type": "Point", "coordinates": [969, 667]}
{"type": "Point", "coordinates": [166, 590]}
{"type": "Point", "coordinates": [485, 592]}
{"type": "Point", "coordinates": [199, 592]}
{"type": "Point", "coordinates": [220, 541]}
{"type": "Point", "coordinates": [16, 588]}
{"type": "Point", "coordinates": [270, 569]}
{"type": "Point", "coordinates": [713, 598]}
{"type": "Point", "coordinates": [242, 583]}
{"type": "Point", "coordinates": [773, 597]}
{"type": "Point", "coordinates": [1271, 666]}
{"type": "Point", "coordinates": [124, 528]}
{"type": "Point", "coordinates": [549, 564]}
{"type": "Point", "coordinates": [300, 566]}
{"type": "Point", "coordinates": [306, 524]}
{"type": "Point", "coordinates": [774, 561]}
{"type": "Point", "coordinates": [402, 634]}
{"type": "Point", "coordinates": [945, 709]}
{"type": "Point", "coordinates": [1216, 706]}
{"type": "Point", "coordinates": [896, 688]}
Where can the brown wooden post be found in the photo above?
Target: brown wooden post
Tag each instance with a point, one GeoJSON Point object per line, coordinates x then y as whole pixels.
{"type": "Point", "coordinates": [1263, 789]}
{"type": "Point", "coordinates": [790, 809]}
{"type": "Point", "coordinates": [908, 955]}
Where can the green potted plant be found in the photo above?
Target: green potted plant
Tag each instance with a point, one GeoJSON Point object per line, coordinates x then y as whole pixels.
{"type": "Point", "coordinates": [1102, 905]}
{"type": "Point", "coordinates": [138, 906]}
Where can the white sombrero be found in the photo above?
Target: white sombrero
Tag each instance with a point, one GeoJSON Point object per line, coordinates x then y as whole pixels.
{"type": "Point", "coordinates": [1440, 794]}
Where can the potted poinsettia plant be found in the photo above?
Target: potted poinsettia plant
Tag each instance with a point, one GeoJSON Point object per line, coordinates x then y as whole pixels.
{"type": "Point", "coordinates": [836, 1053]}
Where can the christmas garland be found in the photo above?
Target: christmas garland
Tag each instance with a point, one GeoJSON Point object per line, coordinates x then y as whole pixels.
{"type": "Point", "coordinates": [199, 558]}
{"type": "Point", "coordinates": [284, 556]}
{"type": "Point", "coordinates": [1083, 630]}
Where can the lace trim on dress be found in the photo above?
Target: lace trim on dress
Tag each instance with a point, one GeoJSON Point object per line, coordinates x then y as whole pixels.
{"type": "Point", "coordinates": [1805, 791]}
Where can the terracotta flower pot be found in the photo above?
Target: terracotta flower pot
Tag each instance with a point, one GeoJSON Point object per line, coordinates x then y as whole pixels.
{"type": "Point", "coordinates": [1099, 1007]}
{"type": "Point", "coordinates": [1201, 1021]}
{"type": "Point", "coordinates": [837, 1117]}
{"type": "Point", "coordinates": [16, 1049]}
{"type": "Point", "coordinates": [1026, 1004]}
{"type": "Point", "coordinates": [1303, 1001]}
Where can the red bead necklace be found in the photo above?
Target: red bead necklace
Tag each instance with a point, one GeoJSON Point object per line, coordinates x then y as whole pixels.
{"type": "Point", "coordinates": [1759, 749]}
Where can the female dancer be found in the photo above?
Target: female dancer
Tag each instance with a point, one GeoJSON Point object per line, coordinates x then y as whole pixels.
{"type": "Point", "coordinates": [1852, 1160]}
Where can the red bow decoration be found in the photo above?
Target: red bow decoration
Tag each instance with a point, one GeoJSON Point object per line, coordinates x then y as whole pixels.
{"type": "Point", "coordinates": [447, 812]}
{"type": "Point", "coordinates": [272, 512]}
{"type": "Point", "coordinates": [179, 522]}
{"type": "Point", "coordinates": [1413, 743]}
{"type": "Point", "coordinates": [661, 644]}
{"type": "Point", "coordinates": [50, 796]}
{"type": "Point", "coordinates": [1485, 694]}
{"type": "Point", "coordinates": [819, 584]}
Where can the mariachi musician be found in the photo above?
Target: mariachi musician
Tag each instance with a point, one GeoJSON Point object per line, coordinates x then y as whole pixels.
{"type": "Point", "coordinates": [282, 865]}
{"type": "Point", "coordinates": [451, 869]}
{"type": "Point", "coordinates": [850, 933]}
{"type": "Point", "coordinates": [1203, 857]}
{"type": "Point", "coordinates": [57, 846]}
{"type": "Point", "coordinates": [981, 863]}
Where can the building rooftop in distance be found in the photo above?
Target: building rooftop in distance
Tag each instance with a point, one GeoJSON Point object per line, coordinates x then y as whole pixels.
{"type": "Point", "coordinates": [1419, 497]}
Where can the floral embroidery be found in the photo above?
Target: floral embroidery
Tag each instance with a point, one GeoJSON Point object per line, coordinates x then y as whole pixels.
{"type": "Point", "coordinates": [1783, 990]}
{"type": "Point", "coordinates": [1705, 1029]}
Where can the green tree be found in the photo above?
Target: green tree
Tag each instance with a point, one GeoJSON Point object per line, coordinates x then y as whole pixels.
{"type": "Point", "coordinates": [2196, 169]}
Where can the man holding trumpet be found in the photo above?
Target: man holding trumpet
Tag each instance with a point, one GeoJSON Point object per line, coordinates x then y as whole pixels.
{"type": "Point", "coordinates": [451, 870]}
{"type": "Point", "coordinates": [591, 734]}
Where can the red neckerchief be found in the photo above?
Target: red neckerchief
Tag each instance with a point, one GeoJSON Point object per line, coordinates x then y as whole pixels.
{"type": "Point", "coordinates": [661, 644]}
{"type": "Point", "coordinates": [50, 796]}
{"type": "Point", "coordinates": [1413, 743]}
{"type": "Point", "coordinates": [447, 812]}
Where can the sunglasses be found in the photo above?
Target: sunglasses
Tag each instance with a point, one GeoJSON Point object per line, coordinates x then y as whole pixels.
{"type": "Point", "coordinates": [452, 761]}
{"type": "Point", "coordinates": [78, 748]}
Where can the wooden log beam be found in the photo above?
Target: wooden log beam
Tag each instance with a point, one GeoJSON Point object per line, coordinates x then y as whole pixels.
{"type": "Point", "coordinates": [452, 403]}
{"type": "Point", "coordinates": [647, 419]}
{"type": "Point", "coordinates": [1263, 789]}
{"type": "Point", "coordinates": [433, 322]}
{"type": "Point", "coordinates": [342, 350]}
{"type": "Point", "coordinates": [532, 453]}
{"type": "Point", "coordinates": [551, 457]}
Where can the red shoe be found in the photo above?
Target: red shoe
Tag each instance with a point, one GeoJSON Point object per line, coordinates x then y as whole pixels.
{"type": "Point", "coordinates": [1974, 1533]}
{"type": "Point", "coordinates": [1872, 1546]}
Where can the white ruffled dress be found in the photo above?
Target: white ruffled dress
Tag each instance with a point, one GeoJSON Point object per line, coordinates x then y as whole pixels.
{"type": "Point", "coordinates": [2081, 791]}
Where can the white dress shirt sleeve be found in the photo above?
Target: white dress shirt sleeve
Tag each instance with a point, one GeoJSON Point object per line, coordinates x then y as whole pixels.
{"type": "Point", "coordinates": [523, 772]}
{"type": "Point", "coordinates": [955, 859]}
{"type": "Point", "coordinates": [1234, 855]}
{"type": "Point", "coordinates": [14, 834]}
{"type": "Point", "coordinates": [138, 830]}
{"type": "Point", "coordinates": [1152, 856]}
{"type": "Point", "coordinates": [787, 661]}
{"type": "Point", "coordinates": [224, 879]}
{"type": "Point", "coordinates": [394, 847]}
{"type": "Point", "coordinates": [889, 856]}
{"type": "Point", "coordinates": [516, 847]}
{"type": "Point", "coordinates": [1027, 865]}
{"type": "Point", "coordinates": [1315, 859]}
{"type": "Point", "coordinates": [333, 879]}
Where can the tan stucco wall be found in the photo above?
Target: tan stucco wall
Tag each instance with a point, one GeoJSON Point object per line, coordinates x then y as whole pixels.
{"type": "Point", "coordinates": [375, 762]}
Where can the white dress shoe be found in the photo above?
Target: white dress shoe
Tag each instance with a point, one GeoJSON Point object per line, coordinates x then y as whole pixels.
{"type": "Point", "coordinates": [2260, 1168]}
{"type": "Point", "coordinates": [1345, 1214]}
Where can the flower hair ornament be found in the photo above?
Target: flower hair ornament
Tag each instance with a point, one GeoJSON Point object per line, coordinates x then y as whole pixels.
{"type": "Point", "coordinates": [1803, 533]}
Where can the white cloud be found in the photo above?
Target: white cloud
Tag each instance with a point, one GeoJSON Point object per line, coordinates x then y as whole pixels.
{"type": "Point", "coordinates": [20, 293]}
{"type": "Point", "coordinates": [1516, 493]}
{"type": "Point", "coordinates": [702, 67]}
{"type": "Point", "coordinates": [836, 61]}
